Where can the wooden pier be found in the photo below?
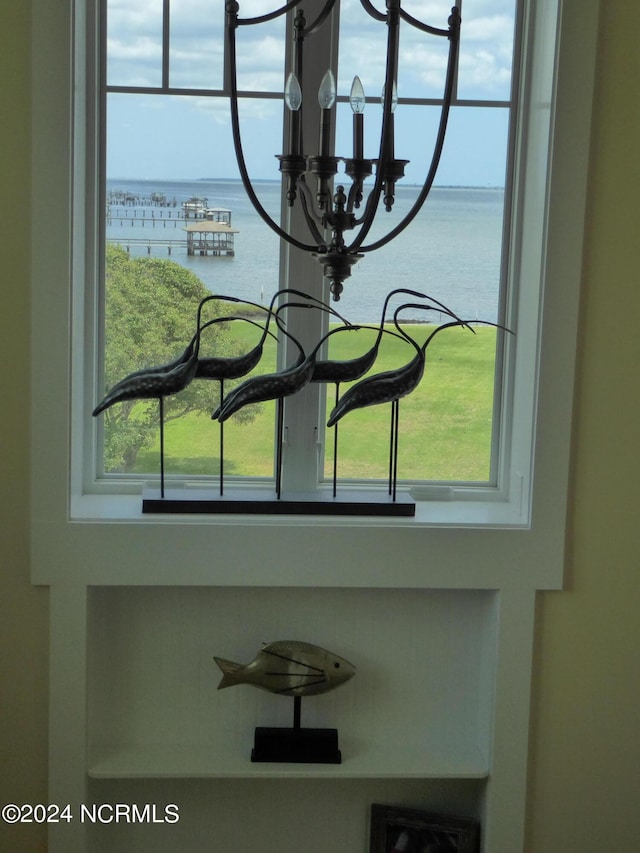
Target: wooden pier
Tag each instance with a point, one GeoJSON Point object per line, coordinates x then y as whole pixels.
{"type": "Point", "coordinates": [125, 198]}
{"type": "Point", "coordinates": [210, 235]}
{"type": "Point", "coordinates": [149, 243]}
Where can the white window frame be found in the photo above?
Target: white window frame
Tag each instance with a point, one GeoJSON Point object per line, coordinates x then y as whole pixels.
{"type": "Point", "coordinates": [519, 527]}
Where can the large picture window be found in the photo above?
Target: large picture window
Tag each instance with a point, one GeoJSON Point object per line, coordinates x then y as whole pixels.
{"type": "Point", "coordinates": [540, 274]}
{"type": "Point", "coordinates": [169, 173]}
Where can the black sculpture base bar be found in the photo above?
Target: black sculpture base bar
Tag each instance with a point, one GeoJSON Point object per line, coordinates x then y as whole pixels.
{"type": "Point", "coordinates": [208, 501]}
{"type": "Point", "coordinates": [296, 746]}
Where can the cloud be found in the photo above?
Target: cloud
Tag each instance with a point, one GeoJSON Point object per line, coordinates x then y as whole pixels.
{"type": "Point", "coordinates": [124, 17]}
{"type": "Point", "coordinates": [251, 109]}
{"type": "Point", "coordinates": [142, 49]}
{"type": "Point", "coordinates": [494, 29]}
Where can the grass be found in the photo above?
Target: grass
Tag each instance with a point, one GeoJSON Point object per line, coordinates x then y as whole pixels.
{"type": "Point", "coordinates": [445, 425]}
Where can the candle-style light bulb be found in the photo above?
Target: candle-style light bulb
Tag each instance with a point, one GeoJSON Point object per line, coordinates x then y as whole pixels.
{"type": "Point", "coordinates": [356, 97]}
{"type": "Point", "coordinates": [327, 91]}
{"type": "Point", "coordinates": [357, 101]}
{"type": "Point", "coordinates": [326, 99]}
{"type": "Point", "coordinates": [293, 93]}
{"type": "Point", "coordinates": [293, 100]}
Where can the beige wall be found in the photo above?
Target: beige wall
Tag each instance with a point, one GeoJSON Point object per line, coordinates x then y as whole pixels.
{"type": "Point", "coordinates": [23, 610]}
{"type": "Point", "coordinates": [585, 773]}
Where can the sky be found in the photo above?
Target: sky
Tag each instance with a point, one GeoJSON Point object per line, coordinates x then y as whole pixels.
{"type": "Point", "coordinates": [189, 137]}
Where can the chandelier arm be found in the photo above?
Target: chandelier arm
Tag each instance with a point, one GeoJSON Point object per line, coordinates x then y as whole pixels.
{"type": "Point", "coordinates": [371, 10]}
{"type": "Point", "coordinates": [373, 200]}
{"type": "Point", "coordinates": [308, 208]}
{"type": "Point", "coordinates": [237, 144]}
{"type": "Point", "coordinates": [354, 198]}
{"type": "Point", "coordinates": [324, 14]}
{"type": "Point", "coordinates": [435, 160]}
{"type": "Point", "coordinates": [414, 22]}
{"type": "Point", "coordinates": [270, 16]}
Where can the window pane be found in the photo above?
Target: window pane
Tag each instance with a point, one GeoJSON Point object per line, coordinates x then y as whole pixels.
{"type": "Point", "coordinates": [157, 136]}
{"type": "Point", "coordinates": [196, 44]}
{"type": "Point", "coordinates": [486, 49]}
{"type": "Point", "coordinates": [164, 152]}
{"type": "Point", "coordinates": [451, 251]}
{"type": "Point", "coordinates": [260, 49]}
{"type": "Point", "coordinates": [422, 60]}
{"type": "Point", "coordinates": [134, 43]}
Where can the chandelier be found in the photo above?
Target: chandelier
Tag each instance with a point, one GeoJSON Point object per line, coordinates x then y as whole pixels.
{"type": "Point", "coordinates": [339, 220]}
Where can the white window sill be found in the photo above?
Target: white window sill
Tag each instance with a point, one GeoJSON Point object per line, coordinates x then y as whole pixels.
{"type": "Point", "coordinates": [435, 507]}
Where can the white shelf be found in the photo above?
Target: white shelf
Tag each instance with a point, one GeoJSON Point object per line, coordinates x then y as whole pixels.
{"type": "Point", "coordinates": [418, 707]}
{"type": "Point", "coordinates": [191, 762]}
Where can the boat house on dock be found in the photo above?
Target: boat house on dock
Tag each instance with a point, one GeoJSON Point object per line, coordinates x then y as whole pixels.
{"type": "Point", "coordinates": [211, 237]}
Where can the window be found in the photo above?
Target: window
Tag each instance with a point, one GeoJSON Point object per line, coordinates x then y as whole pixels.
{"type": "Point", "coordinates": [544, 217]}
{"type": "Point", "coordinates": [168, 128]}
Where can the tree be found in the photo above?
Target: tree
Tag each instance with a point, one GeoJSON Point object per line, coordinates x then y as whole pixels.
{"type": "Point", "coordinates": [150, 317]}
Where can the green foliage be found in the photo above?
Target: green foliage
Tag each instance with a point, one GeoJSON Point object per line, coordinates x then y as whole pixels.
{"type": "Point", "coordinates": [150, 317]}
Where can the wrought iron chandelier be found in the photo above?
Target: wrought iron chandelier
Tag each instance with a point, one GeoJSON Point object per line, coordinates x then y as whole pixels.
{"type": "Point", "coordinates": [330, 215]}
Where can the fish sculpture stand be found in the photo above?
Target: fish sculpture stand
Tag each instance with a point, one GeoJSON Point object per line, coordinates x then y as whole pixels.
{"type": "Point", "coordinates": [291, 668]}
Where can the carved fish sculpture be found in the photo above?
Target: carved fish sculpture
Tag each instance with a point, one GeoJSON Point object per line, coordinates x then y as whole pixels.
{"type": "Point", "coordinates": [289, 667]}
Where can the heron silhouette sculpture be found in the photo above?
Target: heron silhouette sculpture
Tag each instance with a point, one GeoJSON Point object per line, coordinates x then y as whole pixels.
{"type": "Point", "coordinates": [391, 386]}
{"type": "Point", "coordinates": [348, 370]}
{"type": "Point", "coordinates": [221, 368]}
{"type": "Point", "coordinates": [278, 385]}
{"type": "Point", "coordinates": [156, 383]}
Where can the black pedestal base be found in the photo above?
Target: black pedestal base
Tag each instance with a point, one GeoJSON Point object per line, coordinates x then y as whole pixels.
{"type": "Point", "coordinates": [297, 745]}
{"type": "Point", "coordinates": [346, 503]}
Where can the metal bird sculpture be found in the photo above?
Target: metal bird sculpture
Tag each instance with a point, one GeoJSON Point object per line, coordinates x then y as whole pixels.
{"type": "Point", "coordinates": [156, 383]}
{"type": "Point", "coordinates": [348, 370]}
{"type": "Point", "coordinates": [234, 367]}
{"type": "Point", "coordinates": [238, 366]}
{"type": "Point", "coordinates": [278, 385]}
{"type": "Point", "coordinates": [391, 385]}
{"type": "Point", "coordinates": [221, 368]}
{"type": "Point", "coordinates": [148, 383]}
{"type": "Point", "coordinates": [284, 383]}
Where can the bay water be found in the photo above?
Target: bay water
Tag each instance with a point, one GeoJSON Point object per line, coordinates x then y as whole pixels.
{"type": "Point", "coordinates": [451, 250]}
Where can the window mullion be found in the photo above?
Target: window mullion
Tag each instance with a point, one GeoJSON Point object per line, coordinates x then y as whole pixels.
{"type": "Point", "coordinates": [166, 41]}
{"type": "Point", "coordinates": [304, 412]}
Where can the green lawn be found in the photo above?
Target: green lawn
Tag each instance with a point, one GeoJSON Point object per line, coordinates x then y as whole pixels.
{"type": "Point", "coordinates": [445, 425]}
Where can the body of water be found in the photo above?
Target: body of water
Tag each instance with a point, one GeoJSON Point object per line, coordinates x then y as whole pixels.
{"type": "Point", "coordinates": [451, 250]}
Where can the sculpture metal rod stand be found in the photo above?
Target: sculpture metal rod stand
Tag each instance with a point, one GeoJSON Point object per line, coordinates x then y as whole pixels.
{"type": "Point", "coordinates": [161, 411]}
{"type": "Point", "coordinates": [335, 451]}
{"type": "Point", "coordinates": [279, 436]}
{"type": "Point", "coordinates": [296, 745]}
{"type": "Point", "coordinates": [221, 426]}
{"type": "Point", "coordinates": [393, 447]}
{"type": "Point", "coordinates": [335, 460]}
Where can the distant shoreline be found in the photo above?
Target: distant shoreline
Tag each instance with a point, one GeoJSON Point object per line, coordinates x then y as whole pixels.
{"type": "Point", "coordinates": [277, 181]}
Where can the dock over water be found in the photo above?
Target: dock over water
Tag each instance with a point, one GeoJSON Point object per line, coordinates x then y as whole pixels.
{"type": "Point", "coordinates": [208, 229]}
